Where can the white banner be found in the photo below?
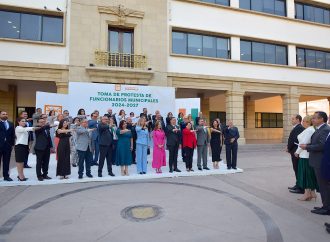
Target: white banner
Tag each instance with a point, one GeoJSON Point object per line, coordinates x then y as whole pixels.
{"type": "Point", "coordinates": [52, 101]}
{"type": "Point", "coordinates": [131, 98]}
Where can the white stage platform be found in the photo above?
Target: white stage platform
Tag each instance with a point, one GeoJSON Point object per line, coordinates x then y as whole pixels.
{"type": "Point", "coordinates": [73, 178]}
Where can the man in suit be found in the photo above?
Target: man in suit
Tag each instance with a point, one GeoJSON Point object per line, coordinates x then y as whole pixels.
{"type": "Point", "coordinates": [106, 140]}
{"type": "Point", "coordinates": [159, 118]}
{"type": "Point", "coordinates": [66, 115]}
{"type": "Point", "coordinates": [42, 147]}
{"type": "Point", "coordinates": [316, 149]}
{"type": "Point", "coordinates": [231, 136]}
{"type": "Point", "coordinates": [84, 148]}
{"type": "Point", "coordinates": [292, 147]}
{"type": "Point", "coordinates": [203, 140]}
{"type": "Point", "coordinates": [173, 141]}
{"type": "Point", "coordinates": [200, 115]}
{"type": "Point", "coordinates": [109, 114]}
{"type": "Point", "coordinates": [7, 141]}
{"type": "Point", "coordinates": [93, 124]}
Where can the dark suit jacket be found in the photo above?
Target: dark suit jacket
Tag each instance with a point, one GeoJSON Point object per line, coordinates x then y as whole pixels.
{"type": "Point", "coordinates": [105, 135]}
{"type": "Point", "coordinates": [172, 138]}
{"type": "Point", "coordinates": [231, 133]}
{"type": "Point", "coordinates": [325, 163]}
{"type": "Point", "coordinates": [7, 136]}
{"type": "Point", "coordinates": [132, 129]}
{"type": "Point", "coordinates": [316, 147]}
{"type": "Point", "coordinates": [293, 138]}
{"type": "Point", "coordinates": [43, 140]}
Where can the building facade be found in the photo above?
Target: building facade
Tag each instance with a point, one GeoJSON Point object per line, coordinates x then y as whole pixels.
{"type": "Point", "coordinates": [251, 61]}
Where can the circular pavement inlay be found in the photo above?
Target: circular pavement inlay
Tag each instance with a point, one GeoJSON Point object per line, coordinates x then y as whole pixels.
{"type": "Point", "coordinates": [142, 213]}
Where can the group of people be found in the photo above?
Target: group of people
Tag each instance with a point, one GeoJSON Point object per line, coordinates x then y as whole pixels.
{"type": "Point", "coordinates": [309, 147]}
{"type": "Point", "coordinates": [121, 140]}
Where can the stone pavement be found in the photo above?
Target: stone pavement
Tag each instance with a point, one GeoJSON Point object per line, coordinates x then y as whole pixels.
{"type": "Point", "coordinates": [250, 206]}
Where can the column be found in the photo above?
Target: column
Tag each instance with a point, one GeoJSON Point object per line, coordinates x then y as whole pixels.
{"type": "Point", "coordinates": [290, 108]}
{"type": "Point", "coordinates": [234, 3]}
{"type": "Point", "coordinates": [235, 48]}
{"type": "Point", "coordinates": [292, 55]}
{"type": "Point", "coordinates": [290, 9]}
{"type": "Point", "coordinates": [62, 87]}
{"type": "Point", "coordinates": [250, 113]}
{"type": "Point", "coordinates": [235, 111]}
{"type": "Point", "coordinates": [205, 108]}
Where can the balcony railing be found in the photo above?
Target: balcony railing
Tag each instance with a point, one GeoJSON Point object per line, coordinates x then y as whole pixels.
{"type": "Point", "coordinates": [120, 60]}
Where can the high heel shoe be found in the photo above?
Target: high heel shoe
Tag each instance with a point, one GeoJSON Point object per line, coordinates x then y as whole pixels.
{"type": "Point", "coordinates": [24, 179]}
{"type": "Point", "coordinates": [314, 197]}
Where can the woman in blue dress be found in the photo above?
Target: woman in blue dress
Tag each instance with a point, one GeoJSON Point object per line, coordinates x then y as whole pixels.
{"type": "Point", "coordinates": [124, 147]}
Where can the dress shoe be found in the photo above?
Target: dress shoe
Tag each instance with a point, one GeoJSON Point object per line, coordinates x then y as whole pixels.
{"type": "Point", "coordinates": [111, 174]}
{"type": "Point", "coordinates": [206, 168]}
{"type": "Point", "coordinates": [327, 225]}
{"type": "Point", "coordinates": [321, 211]}
{"type": "Point", "coordinates": [40, 178]}
{"type": "Point", "coordinates": [228, 168]}
{"type": "Point", "coordinates": [80, 177]}
{"type": "Point", "coordinates": [144, 173]}
{"type": "Point", "coordinates": [141, 173]}
{"type": "Point", "coordinates": [293, 188]}
{"type": "Point", "coordinates": [171, 170]}
{"type": "Point", "coordinates": [234, 168]}
{"type": "Point", "coordinates": [200, 168]}
{"type": "Point", "coordinates": [89, 175]}
{"type": "Point", "coordinates": [47, 177]}
{"type": "Point", "coordinates": [192, 170]}
{"type": "Point", "coordinates": [7, 179]}
{"type": "Point", "coordinates": [177, 170]}
{"type": "Point", "coordinates": [297, 191]}
{"type": "Point", "coordinates": [27, 166]}
{"type": "Point", "coordinates": [74, 165]}
{"type": "Point", "coordinates": [99, 175]}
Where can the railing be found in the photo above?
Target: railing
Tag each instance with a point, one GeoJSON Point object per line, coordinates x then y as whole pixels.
{"type": "Point", "coordinates": [120, 60]}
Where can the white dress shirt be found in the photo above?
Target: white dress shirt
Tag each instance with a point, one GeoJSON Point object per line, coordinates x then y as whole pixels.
{"type": "Point", "coordinates": [22, 135]}
{"type": "Point", "coordinates": [305, 138]}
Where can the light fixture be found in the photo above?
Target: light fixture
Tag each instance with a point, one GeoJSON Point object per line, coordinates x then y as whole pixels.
{"type": "Point", "coordinates": [9, 22]}
{"type": "Point", "coordinates": [17, 31]}
{"type": "Point", "coordinates": [14, 27]}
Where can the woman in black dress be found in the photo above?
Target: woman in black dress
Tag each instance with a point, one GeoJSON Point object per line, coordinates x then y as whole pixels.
{"type": "Point", "coordinates": [216, 143]}
{"type": "Point", "coordinates": [63, 150]}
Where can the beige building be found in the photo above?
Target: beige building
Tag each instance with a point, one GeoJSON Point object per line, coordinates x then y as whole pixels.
{"type": "Point", "coordinates": [252, 63]}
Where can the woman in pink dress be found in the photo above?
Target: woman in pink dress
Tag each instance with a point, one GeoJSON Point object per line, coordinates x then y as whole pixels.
{"type": "Point", "coordinates": [159, 156]}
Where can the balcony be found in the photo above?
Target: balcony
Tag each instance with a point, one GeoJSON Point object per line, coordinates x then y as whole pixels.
{"type": "Point", "coordinates": [133, 61]}
{"type": "Point", "coordinates": [120, 68]}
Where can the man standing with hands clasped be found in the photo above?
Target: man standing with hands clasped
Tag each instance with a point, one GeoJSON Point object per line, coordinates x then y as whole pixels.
{"type": "Point", "coordinates": [292, 148]}
{"type": "Point", "coordinates": [316, 152]}
{"type": "Point", "coordinates": [203, 140]}
{"type": "Point", "coordinates": [231, 136]}
{"type": "Point", "coordinates": [173, 136]}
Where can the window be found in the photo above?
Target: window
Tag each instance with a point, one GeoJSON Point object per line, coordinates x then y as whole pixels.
{"type": "Point", "coordinates": [121, 47]}
{"type": "Point", "coordinates": [269, 120]}
{"type": "Point", "coordinates": [121, 41]}
{"type": "Point", "coordinates": [195, 43]}
{"type": "Point", "coordinates": [200, 45]}
{"type": "Point", "coordinates": [313, 58]}
{"type": "Point", "coordinates": [277, 7]}
{"type": "Point", "coordinates": [312, 13]}
{"type": "Point", "coordinates": [246, 50]}
{"type": "Point", "coordinates": [220, 2]}
{"type": "Point", "coordinates": [179, 43]}
{"type": "Point", "coordinates": [263, 52]}
{"type": "Point", "coordinates": [27, 26]}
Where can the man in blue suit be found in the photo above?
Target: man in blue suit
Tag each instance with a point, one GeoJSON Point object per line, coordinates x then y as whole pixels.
{"type": "Point", "coordinates": [93, 124]}
{"type": "Point", "coordinates": [7, 141]}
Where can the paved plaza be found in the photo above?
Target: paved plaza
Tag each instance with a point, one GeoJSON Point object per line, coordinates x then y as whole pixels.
{"type": "Point", "coordinates": [251, 206]}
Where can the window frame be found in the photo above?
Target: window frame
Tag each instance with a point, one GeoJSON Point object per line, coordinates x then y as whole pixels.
{"type": "Point", "coordinates": [305, 50]}
{"type": "Point", "coordinates": [260, 120]}
{"type": "Point", "coordinates": [42, 14]}
{"type": "Point", "coordinates": [249, 6]}
{"type": "Point", "coordinates": [314, 8]}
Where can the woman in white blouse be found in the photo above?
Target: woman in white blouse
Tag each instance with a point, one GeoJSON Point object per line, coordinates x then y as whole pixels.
{"type": "Point", "coordinates": [21, 146]}
{"type": "Point", "coordinates": [306, 176]}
